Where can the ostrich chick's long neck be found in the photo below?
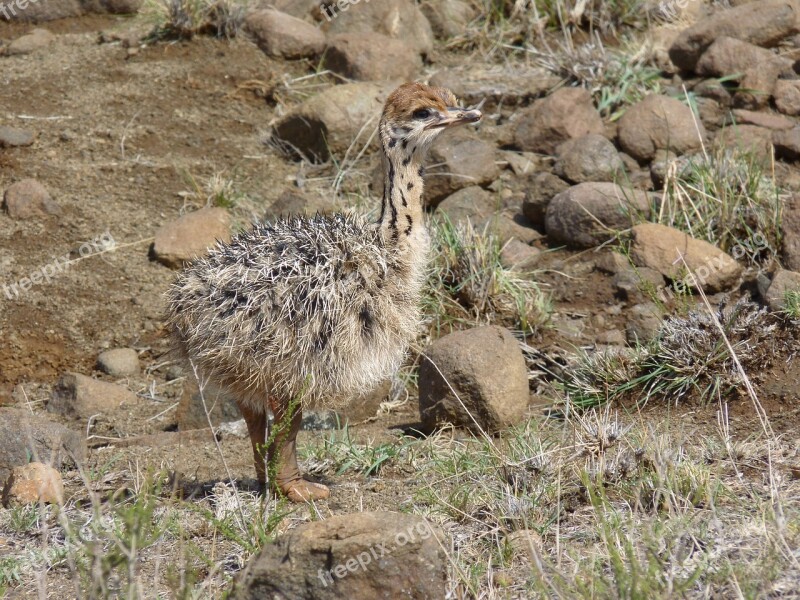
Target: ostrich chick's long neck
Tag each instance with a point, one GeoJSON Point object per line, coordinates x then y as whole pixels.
{"type": "Point", "coordinates": [401, 209]}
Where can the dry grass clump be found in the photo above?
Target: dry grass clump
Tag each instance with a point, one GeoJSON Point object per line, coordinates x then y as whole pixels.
{"type": "Point", "coordinates": [727, 198]}
{"type": "Point", "coordinates": [688, 359]}
{"type": "Point", "coordinates": [600, 506]}
{"type": "Point", "coordinates": [183, 19]}
{"type": "Point", "coordinates": [468, 282]}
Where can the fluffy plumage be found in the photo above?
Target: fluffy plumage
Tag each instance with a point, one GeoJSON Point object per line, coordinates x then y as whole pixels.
{"type": "Point", "coordinates": [315, 307]}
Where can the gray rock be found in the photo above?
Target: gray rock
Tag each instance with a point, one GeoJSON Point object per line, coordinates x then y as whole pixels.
{"type": "Point", "coordinates": [371, 57]}
{"type": "Point", "coordinates": [729, 56]}
{"type": "Point", "coordinates": [475, 379]}
{"type": "Point", "coordinates": [762, 23]}
{"type": "Point", "coordinates": [787, 96]}
{"type": "Point", "coordinates": [643, 323]}
{"type": "Point", "coordinates": [191, 235]}
{"type": "Point", "coordinates": [11, 137]}
{"type": "Point", "coordinates": [359, 555]}
{"type": "Point", "coordinates": [540, 189]}
{"type": "Point", "coordinates": [519, 256]}
{"type": "Point", "coordinates": [790, 223]}
{"type": "Point", "coordinates": [27, 199]}
{"type": "Point", "coordinates": [283, 36]}
{"type": "Point", "coordinates": [331, 120]}
{"type": "Point", "coordinates": [191, 412]}
{"type": "Point", "coordinates": [659, 123]}
{"type": "Point", "coordinates": [506, 228]}
{"type": "Point", "coordinates": [119, 362]}
{"type": "Point", "coordinates": [666, 249]}
{"type": "Point", "coordinates": [80, 397]}
{"type": "Point", "coordinates": [750, 139]}
{"type": "Point", "coordinates": [496, 85]}
{"type": "Point", "coordinates": [757, 86]}
{"type": "Point", "coordinates": [25, 436]}
{"type": "Point", "coordinates": [458, 159]}
{"type": "Point", "coordinates": [566, 114]}
{"type": "Point", "coordinates": [30, 42]}
{"type": "Point", "coordinates": [589, 214]}
{"type": "Point", "coordinates": [588, 158]}
{"type": "Point", "coordinates": [638, 284]}
{"type": "Point", "coordinates": [787, 144]}
{"type": "Point", "coordinates": [399, 19]}
{"type": "Point", "coordinates": [473, 203]}
{"type": "Point", "coordinates": [784, 281]}
{"type": "Point", "coordinates": [297, 202]}
{"type": "Point", "coordinates": [448, 18]}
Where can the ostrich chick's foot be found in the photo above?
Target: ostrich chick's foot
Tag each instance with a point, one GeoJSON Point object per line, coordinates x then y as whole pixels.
{"type": "Point", "coordinates": [282, 453]}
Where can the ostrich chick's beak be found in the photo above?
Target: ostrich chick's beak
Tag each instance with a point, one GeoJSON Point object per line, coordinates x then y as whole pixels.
{"type": "Point", "coordinates": [456, 116]}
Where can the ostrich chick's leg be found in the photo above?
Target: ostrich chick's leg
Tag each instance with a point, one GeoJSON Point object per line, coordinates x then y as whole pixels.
{"type": "Point", "coordinates": [282, 454]}
{"type": "Point", "coordinates": [257, 428]}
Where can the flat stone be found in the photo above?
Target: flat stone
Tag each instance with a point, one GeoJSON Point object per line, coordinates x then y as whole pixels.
{"type": "Point", "coordinates": [589, 214]}
{"type": "Point", "coordinates": [191, 235]}
{"type": "Point", "coordinates": [496, 85]}
{"type": "Point", "coordinates": [671, 252]}
{"type": "Point", "coordinates": [80, 397]}
{"type": "Point", "coordinates": [283, 36]}
{"type": "Point", "coordinates": [25, 436]}
{"type": "Point", "coordinates": [358, 555]}
{"type": "Point", "coordinates": [565, 114]}
{"type": "Point", "coordinates": [785, 281]}
{"type": "Point", "coordinates": [659, 123]}
{"type": "Point", "coordinates": [11, 137]}
{"type": "Point", "coordinates": [34, 483]}
{"type": "Point", "coordinates": [30, 42]}
{"type": "Point", "coordinates": [764, 119]}
{"type": "Point", "coordinates": [27, 199]}
{"type": "Point", "coordinates": [371, 57]}
{"type": "Point", "coordinates": [729, 56]}
{"type": "Point", "coordinates": [762, 23]}
{"type": "Point", "coordinates": [119, 362]}
{"type": "Point", "coordinates": [476, 379]}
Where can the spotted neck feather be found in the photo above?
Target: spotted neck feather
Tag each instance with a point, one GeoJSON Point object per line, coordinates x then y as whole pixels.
{"type": "Point", "coordinates": [401, 216]}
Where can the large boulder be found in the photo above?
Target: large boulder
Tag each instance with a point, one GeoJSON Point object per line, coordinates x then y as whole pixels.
{"type": "Point", "coordinates": [783, 283]}
{"type": "Point", "coordinates": [762, 23]}
{"type": "Point", "coordinates": [371, 57]}
{"type": "Point", "coordinates": [475, 379]}
{"type": "Point", "coordinates": [679, 257]}
{"type": "Point", "coordinates": [361, 555]}
{"type": "Point", "coordinates": [565, 114]}
{"type": "Point", "coordinates": [25, 436]}
{"type": "Point", "coordinates": [495, 85]}
{"type": "Point", "coordinates": [81, 397]}
{"type": "Point", "coordinates": [191, 235]}
{"type": "Point", "coordinates": [458, 159]}
{"type": "Point", "coordinates": [400, 19]}
{"type": "Point", "coordinates": [27, 199]}
{"type": "Point", "coordinates": [448, 18]}
{"type": "Point", "coordinates": [588, 158]}
{"type": "Point", "coordinates": [331, 120]}
{"type": "Point", "coordinates": [51, 10]}
{"type": "Point", "coordinates": [589, 214]}
{"type": "Point", "coordinates": [283, 36]}
{"type": "Point", "coordinates": [730, 57]}
{"type": "Point", "coordinates": [659, 123]}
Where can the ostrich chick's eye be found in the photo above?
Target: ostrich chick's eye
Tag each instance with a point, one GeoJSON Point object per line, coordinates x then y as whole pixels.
{"type": "Point", "coordinates": [422, 113]}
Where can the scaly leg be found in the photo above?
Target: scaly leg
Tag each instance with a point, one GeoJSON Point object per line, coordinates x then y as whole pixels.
{"type": "Point", "coordinates": [282, 453]}
{"type": "Point", "coordinates": [257, 428]}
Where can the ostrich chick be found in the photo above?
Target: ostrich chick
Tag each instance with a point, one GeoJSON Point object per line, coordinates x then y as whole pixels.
{"type": "Point", "coordinates": [308, 310]}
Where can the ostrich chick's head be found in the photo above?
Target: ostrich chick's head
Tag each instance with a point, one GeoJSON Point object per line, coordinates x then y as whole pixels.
{"type": "Point", "coordinates": [414, 115]}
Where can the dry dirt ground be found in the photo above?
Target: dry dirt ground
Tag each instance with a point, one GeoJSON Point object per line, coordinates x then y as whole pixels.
{"type": "Point", "coordinates": [120, 138]}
